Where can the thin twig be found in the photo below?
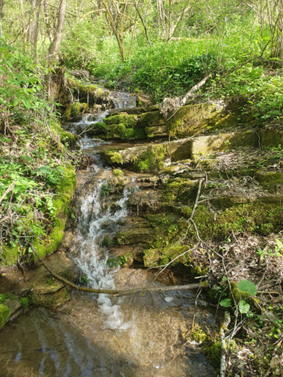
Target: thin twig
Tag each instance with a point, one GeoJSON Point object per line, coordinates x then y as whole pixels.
{"type": "Point", "coordinates": [10, 188]}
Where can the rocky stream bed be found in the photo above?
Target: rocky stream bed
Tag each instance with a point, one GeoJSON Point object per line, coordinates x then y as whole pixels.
{"type": "Point", "coordinates": [200, 194]}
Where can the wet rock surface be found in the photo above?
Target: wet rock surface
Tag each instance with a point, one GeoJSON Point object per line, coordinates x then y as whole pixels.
{"type": "Point", "coordinates": [128, 220]}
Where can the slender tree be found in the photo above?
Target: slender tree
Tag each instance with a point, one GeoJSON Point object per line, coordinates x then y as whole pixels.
{"type": "Point", "coordinates": [53, 49]}
{"type": "Point", "coordinates": [1, 16]}
{"type": "Point", "coordinates": [38, 5]}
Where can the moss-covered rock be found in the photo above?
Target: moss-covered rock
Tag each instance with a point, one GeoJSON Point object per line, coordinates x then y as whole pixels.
{"type": "Point", "coordinates": [133, 236]}
{"type": "Point", "coordinates": [129, 121]}
{"type": "Point", "coordinates": [50, 242]}
{"type": "Point", "coordinates": [4, 315]}
{"type": "Point", "coordinates": [67, 137]}
{"type": "Point", "coordinates": [180, 189]}
{"type": "Point", "coordinates": [190, 120]}
{"type": "Point", "coordinates": [53, 300]}
{"type": "Point", "coordinates": [271, 138]}
{"type": "Point", "coordinates": [161, 256]}
{"type": "Point", "coordinates": [134, 110]}
{"type": "Point", "coordinates": [205, 145]}
{"type": "Point", "coordinates": [258, 218]}
{"type": "Point", "coordinates": [93, 94]}
{"type": "Point", "coordinates": [74, 110]}
{"type": "Point", "coordinates": [122, 126]}
{"type": "Point", "coordinates": [193, 119]}
{"type": "Point", "coordinates": [212, 351]}
{"type": "Point", "coordinates": [271, 181]}
{"type": "Point", "coordinates": [151, 157]}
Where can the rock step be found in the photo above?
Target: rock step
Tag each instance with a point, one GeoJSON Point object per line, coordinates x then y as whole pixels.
{"type": "Point", "coordinates": [152, 157]}
{"type": "Point", "coordinates": [190, 120]}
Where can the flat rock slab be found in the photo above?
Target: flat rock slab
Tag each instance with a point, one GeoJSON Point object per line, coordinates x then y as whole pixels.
{"type": "Point", "coordinates": [182, 149]}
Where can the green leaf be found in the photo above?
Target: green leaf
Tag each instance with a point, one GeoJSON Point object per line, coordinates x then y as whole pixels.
{"type": "Point", "coordinates": [247, 286]}
{"type": "Point", "coordinates": [44, 170]}
{"type": "Point", "coordinates": [279, 245]}
{"type": "Point", "coordinates": [226, 303]}
{"type": "Point", "coordinates": [244, 307]}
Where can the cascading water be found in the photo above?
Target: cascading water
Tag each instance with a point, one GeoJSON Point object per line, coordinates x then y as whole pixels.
{"type": "Point", "coordinates": [123, 100]}
{"type": "Point", "coordinates": [98, 335]}
{"type": "Point", "coordinates": [90, 260]}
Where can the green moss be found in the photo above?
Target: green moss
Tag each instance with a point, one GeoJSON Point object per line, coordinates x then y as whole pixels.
{"type": "Point", "coordinates": [212, 351]}
{"type": "Point", "coordinates": [186, 212]}
{"type": "Point", "coordinates": [259, 218]}
{"type": "Point", "coordinates": [78, 108]}
{"type": "Point", "coordinates": [138, 133]}
{"type": "Point", "coordinates": [162, 256]}
{"type": "Point", "coordinates": [67, 137]}
{"type": "Point", "coordinates": [180, 189]}
{"type": "Point", "coordinates": [269, 180]}
{"type": "Point", "coordinates": [118, 172]}
{"type": "Point", "coordinates": [116, 158]}
{"type": "Point", "coordinates": [101, 126]}
{"type": "Point", "coordinates": [129, 121]}
{"type": "Point", "coordinates": [197, 334]}
{"type": "Point", "coordinates": [193, 119]}
{"type": "Point", "coordinates": [67, 114]}
{"type": "Point", "coordinates": [105, 190]}
{"type": "Point", "coordinates": [123, 126]}
{"type": "Point", "coordinates": [150, 131]}
{"type": "Point", "coordinates": [74, 109]}
{"type": "Point", "coordinates": [24, 303]}
{"type": "Point", "coordinates": [87, 88]}
{"type": "Point", "coordinates": [106, 242]}
{"type": "Point", "coordinates": [152, 159]}
{"type": "Point", "coordinates": [4, 315]}
{"type": "Point", "coordinates": [121, 130]}
{"type": "Point", "coordinates": [51, 243]}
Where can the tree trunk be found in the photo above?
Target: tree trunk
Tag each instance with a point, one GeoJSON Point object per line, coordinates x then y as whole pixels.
{"type": "Point", "coordinates": [112, 24]}
{"type": "Point", "coordinates": [161, 18]}
{"type": "Point", "coordinates": [32, 20]}
{"type": "Point", "coordinates": [23, 24]}
{"type": "Point", "coordinates": [142, 21]}
{"type": "Point", "coordinates": [38, 4]}
{"type": "Point", "coordinates": [58, 32]}
{"type": "Point", "coordinates": [1, 16]}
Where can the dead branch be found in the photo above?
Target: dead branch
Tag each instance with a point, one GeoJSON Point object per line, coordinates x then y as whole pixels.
{"type": "Point", "coordinates": [86, 130]}
{"type": "Point", "coordinates": [118, 292]}
{"type": "Point", "coordinates": [10, 188]}
{"type": "Point", "coordinates": [223, 361]}
{"type": "Point", "coordinates": [174, 104]}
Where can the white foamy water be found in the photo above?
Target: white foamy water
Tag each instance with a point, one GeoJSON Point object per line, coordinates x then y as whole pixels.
{"type": "Point", "coordinates": [91, 261]}
{"type": "Point", "coordinates": [123, 100]}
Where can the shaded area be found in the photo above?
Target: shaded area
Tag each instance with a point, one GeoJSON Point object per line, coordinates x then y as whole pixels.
{"type": "Point", "coordinates": [88, 342]}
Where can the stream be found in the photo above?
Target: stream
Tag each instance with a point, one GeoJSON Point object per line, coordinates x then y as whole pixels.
{"type": "Point", "coordinates": [99, 335]}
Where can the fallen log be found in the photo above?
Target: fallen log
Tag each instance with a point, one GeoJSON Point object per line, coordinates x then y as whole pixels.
{"type": "Point", "coordinates": [118, 292]}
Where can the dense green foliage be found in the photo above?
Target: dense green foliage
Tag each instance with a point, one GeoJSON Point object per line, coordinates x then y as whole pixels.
{"type": "Point", "coordinates": [32, 158]}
